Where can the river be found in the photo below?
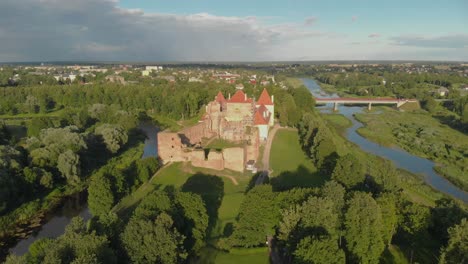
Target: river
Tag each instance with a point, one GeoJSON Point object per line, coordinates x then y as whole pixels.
{"type": "Point", "coordinates": [76, 205]}
{"type": "Point", "coordinates": [399, 157]}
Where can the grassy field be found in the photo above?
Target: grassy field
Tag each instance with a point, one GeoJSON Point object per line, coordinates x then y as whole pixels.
{"type": "Point", "coordinates": [422, 135]}
{"type": "Point", "coordinates": [338, 121]}
{"type": "Point", "coordinates": [291, 167]}
{"type": "Point", "coordinates": [220, 144]}
{"type": "Point", "coordinates": [293, 82]}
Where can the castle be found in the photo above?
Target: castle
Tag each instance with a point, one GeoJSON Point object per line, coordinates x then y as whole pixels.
{"type": "Point", "coordinates": [238, 119]}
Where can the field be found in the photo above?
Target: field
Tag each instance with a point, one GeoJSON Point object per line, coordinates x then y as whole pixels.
{"type": "Point", "coordinates": [291, 167]}
{"type": "Point", "coordinates": [422, 135]}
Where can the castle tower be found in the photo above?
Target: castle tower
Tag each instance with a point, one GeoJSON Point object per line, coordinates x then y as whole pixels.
{"type": "Point", "coordinates": [268, 102]}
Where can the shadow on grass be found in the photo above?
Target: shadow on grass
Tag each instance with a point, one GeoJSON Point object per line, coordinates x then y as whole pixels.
{"type": "Point", "coordinates": [211, 190]}
{"type": "Point", "coordinates": [301, 177]}
{"type": "Point", "coordinates": [253, 181]}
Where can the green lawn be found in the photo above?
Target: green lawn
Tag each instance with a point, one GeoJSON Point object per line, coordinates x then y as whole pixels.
{"type": "Point", "coordinates": [291, 167]}
{"type": "Point", "coordinates": [338, 121]}
{"type": "Point", "coordinates": [219, 144]}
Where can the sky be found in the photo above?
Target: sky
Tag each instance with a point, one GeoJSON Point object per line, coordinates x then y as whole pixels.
{"type": "Point", "coordinates": [214, 30]}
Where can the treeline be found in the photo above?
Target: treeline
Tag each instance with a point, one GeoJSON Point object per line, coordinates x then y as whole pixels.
{"type": "Point", "coordinates": [399, 84]}
{"type": "Point", "coordinates": [173, 100]}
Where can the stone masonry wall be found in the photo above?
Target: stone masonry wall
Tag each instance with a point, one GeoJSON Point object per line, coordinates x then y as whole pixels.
{"type": "Point", "coordinates": [170, 147]}
{"type": "Point", "coordinates": [234, 159]}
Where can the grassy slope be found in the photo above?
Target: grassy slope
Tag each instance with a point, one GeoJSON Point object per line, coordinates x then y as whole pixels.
{"type": "Point", "coordinates": [291, 167]}
{"type": "Point", "coordinates": [422, 135]}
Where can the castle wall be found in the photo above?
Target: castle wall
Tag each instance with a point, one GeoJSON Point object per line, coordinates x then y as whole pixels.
{"type": "Point", "coordinates": [195, 133]}
{"type": "Point", "coordinates": [252, 149]}
{"type": "Point", "coordinates": [214, 160]}
{"type": "Point", "coordinates": [237, 111]}
{"type": "Point", "coordinates": [170, 147]}
{"type": "Point", "coordinates": [234, 159]}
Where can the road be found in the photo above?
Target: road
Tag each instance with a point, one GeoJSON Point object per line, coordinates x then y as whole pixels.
{"type": "Point", "coordinates": [266, 156]}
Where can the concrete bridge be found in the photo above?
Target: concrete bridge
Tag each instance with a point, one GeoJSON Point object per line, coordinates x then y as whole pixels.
{"type": "Point", "coordinates": [368, 101]}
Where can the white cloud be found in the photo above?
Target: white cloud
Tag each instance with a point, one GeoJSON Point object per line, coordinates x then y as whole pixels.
{"type": "Point", "coordinates": [454, 41]}
{"type": "Point", "coordinates": [310, 21]}
{"type": "Point", "coordinates": [374, 35]}
{"type": "Point", "coordinates": [51, 30]}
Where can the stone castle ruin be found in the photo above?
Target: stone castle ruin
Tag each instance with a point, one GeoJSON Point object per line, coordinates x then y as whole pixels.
{"type": "Point", "coordinates": [238, 119]}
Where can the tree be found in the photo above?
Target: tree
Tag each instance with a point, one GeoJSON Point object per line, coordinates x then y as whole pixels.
{"type": "Point", "coordinates": [69, 165]}
{"type": "Point", "coordinates": [414, 218]}
{"type": "Point", "coordinates": [154, 242]}
{"type": "Point", "coordinates": [76, 245]}
{"type": "Point", "coordinates": [146, 168]}
{"type": "Point", "coordinates": [456, 250]}
{"type": "Point", "coordinates": [191, 219]}
{"type": "Point", "coordinates": [258, 215]}
{"type": "Point", "coordinates": [318, 250]}
{"type": "Point", "coordinates": [363, 228]}
{"type": "Point", "coordinates": [387, 203]}
{"type": "Point", "coordinates": [348, 171]}
{"type": "Point", "coordinates": [114, 136]}
{"type": "Point", "coordinates": [429, 104]}
{"type": "Point", "coordinates": [100, 195]}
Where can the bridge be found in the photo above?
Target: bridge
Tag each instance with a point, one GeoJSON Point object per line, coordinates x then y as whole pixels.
{"type": "Point", "coordinates": [368, 101]}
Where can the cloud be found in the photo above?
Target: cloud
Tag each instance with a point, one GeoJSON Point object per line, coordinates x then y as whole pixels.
{"type": "Point", "coordinates": [456, 41]}
{"type": "Point", "coordinates": [100, 30]}
{"type": "Point", "coordinates": [374, 35]}
{"type": "Point", "coordinates": [309, 21]}
{"type": "Point", "coordinates": [354, 18]}
{"type": "Point", "coordinates": [45, 30]}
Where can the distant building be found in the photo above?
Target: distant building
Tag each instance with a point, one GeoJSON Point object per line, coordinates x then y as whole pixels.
{"type": "Point", "coordinates": [168, 78]}
{"type": "Point", "coordinates": [145, 73]}
{"type": "Point", "coordinates": [154, 68]}
{"type": "Point", "coordinates": [240, 86]}
{"type": "Point", "coordinates": [115, 79]}
{"type": "Point", "coordinates": [194, 79]}
{"type": "Point", "coordinates": [442, 91]}
{"type": "Point", "coordinates": [65, 77]}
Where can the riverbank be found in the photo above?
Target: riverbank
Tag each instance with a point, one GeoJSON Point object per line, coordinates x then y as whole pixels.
{"type": "Point", "coordinates": [30, 217]}
{"type": "Point", "coordinates": [420, 134]}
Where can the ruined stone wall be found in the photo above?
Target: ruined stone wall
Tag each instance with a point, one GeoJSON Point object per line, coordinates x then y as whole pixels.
{"type": "Point", "coordinates": [170, 147]}
{"type": "Point", "coordinates": [234, 159]}
{"type": "Point", "coordinates": [252, 148]}
{"type": "Point", "coordinates": [214, 160]}
{"type": "Point", "coordinates": [195, 133]}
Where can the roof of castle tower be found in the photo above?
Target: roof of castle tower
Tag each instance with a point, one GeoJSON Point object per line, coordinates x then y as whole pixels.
{"type": "Point", "coordinates": [259, 120]}
{"type": "Point", "coordinates": [240, 97]}
{"type": "Point", "coordinates": [264, 98]}
{"type": "Point", "coordinates": [220, 97]}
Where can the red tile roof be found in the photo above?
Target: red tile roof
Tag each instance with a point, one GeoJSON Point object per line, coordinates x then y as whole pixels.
{"type": "Point", "coordinates": [239, 97]}
{"type": "Point", "coordinates": [264, 98]}
{"type": "Point", "coordinates": [258, 119]}
{"type": "Point", "coordinates": [220, 98]}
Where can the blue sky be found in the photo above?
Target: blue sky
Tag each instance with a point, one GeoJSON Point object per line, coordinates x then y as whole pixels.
{"type": "Point", "coordinates": [209, 30]}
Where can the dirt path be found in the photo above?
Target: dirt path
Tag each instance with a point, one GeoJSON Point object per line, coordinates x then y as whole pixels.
{"type": "Point", "coordinates": [266, 156]}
